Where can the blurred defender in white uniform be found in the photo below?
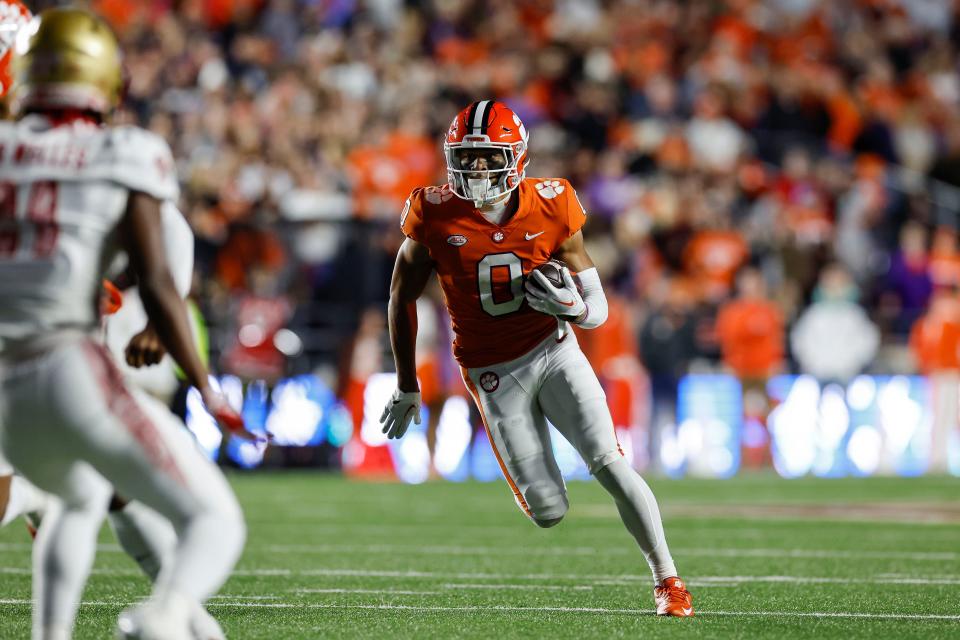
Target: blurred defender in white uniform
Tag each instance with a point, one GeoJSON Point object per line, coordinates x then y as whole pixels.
{"type": "Point", "coordinates": [158, 378]}
{"type": "Point", "coordinates": [146, 536]}
{"type": "Point", "coordinates": [73, 193]}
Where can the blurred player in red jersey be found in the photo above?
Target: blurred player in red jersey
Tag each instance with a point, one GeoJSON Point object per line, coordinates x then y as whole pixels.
{"type": "Point", "coordinates": [483, 233]}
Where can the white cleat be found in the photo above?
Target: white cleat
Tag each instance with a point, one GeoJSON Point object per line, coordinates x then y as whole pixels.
{"type": "Point", "coordinates": [148, 621]}
{"type": "Point", "coordinates": [203, 626]}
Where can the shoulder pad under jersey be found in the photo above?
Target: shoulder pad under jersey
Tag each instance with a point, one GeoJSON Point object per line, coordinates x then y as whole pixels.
{"type": "Point", "coordinates": [140, 161]}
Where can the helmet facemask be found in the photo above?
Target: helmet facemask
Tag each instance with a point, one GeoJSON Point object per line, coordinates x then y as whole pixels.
{"type": "Point", "coordinates": [481, 170]}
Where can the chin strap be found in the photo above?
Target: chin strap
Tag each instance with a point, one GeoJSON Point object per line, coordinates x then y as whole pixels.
{"type": "Point", "coordinates": [594, 298]}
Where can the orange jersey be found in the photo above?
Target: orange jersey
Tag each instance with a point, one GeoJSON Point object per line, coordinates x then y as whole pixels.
{"type": "Point", "coordinates": [481, 265]}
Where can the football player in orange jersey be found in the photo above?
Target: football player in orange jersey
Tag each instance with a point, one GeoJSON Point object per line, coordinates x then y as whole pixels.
{"type": "Point", "coordinates": [483, 233]}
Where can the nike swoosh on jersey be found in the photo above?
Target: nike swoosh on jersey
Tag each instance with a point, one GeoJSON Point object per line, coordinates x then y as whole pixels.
{"type": "Point", "coordinates": [531, 236]}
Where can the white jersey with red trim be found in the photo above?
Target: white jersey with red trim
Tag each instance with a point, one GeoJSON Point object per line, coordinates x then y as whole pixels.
{"type": "Point", "coordinates": [63, 189]}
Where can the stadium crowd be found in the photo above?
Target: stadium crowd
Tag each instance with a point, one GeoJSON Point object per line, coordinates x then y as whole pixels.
{"type": "Point", "coordinates": [765, 179]}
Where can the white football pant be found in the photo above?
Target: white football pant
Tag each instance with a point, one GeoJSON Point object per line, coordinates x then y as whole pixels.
{"type": "Point", "coordinates": [555, 382]}
{"type": "Point", "coordinates": [71, 426]}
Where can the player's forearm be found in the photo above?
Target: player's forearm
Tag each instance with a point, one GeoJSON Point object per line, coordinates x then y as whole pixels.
{"type": "Point", "coordinates": [403, 338]}
{"type": "Point", "coordinates": [594, 299]}
{"type": "Point", "coordinates": [168, 315]}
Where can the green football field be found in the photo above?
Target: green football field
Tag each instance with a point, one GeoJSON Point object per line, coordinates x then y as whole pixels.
{"type": "Point", "coordinates": [764, 558]}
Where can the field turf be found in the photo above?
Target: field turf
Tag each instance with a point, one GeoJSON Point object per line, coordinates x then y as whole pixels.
{"type": "Point", "coordinates": [764, 558]}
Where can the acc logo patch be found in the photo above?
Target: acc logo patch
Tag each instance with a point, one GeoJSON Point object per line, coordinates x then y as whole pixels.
{"type": "Point", "coordinates": [457, 240]}
{"type": "Point", "coordinates": [549, 189]}
{"type": "Point", "coordinates": [489, 381]}
{"type": "Point", "coordinates": [436, 195]}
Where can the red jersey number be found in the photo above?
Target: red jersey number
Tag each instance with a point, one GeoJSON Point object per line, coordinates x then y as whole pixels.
{"type": "Point", "coordinates": [41, 213]}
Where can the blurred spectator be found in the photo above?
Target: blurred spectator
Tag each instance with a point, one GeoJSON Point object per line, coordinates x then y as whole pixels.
{"type": "Point", "coordinates": [944, 265]}
{"type": "Point", "coordinates": [713, 256]}
{"type": "Point", "coordinates": [249, 248]}
{"type": "Point", "coordinates": [908, 279]}
{"type": "Point", "coordinates": [834, 340]}
{"type": "Point", "coordinates": [750, 329]}
{"type": "Point", "coordinates": [667, 343]}
{"type": "Point", "coordinates": [935, 343]}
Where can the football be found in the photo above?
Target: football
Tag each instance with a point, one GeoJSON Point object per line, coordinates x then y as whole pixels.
{"type": "Point", "coordinates": [551, 270]}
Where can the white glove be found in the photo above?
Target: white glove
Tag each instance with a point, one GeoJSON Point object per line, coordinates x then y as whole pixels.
{"type": "Point", "coordinates": [566, 303]}
{"type": "Point", "coordinates": [396, 416]}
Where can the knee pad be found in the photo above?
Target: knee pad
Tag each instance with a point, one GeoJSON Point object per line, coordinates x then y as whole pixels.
{"type": "Point", "coordinates": [88, 491]}
{"type": "Point", "coordinates": [547, 503]}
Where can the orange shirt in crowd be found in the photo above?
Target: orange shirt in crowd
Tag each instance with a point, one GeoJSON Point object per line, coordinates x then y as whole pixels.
{"type": "Point", "coordinates": [713, 257]}
{"type": "Point", "coordinates": [935, 339]}
{"type": "Point", "coordinates": [245, 249]}
{"type": "Point", "coordinates": [611, 340]}
{"type": "Point", "coordinates": [845, 119]}
{"type": "Point", "coordinates": [944, 264]}
{"type": "Point", "coordinates": [751, 336]}
{"type": "Point", "coordinates": [385, 175]}
{"type": "Point", "coordinates": [944, 269]}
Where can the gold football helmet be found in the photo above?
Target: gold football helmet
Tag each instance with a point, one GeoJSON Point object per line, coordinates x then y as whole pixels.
{"type": "Point", "coordinates": [71, 62]}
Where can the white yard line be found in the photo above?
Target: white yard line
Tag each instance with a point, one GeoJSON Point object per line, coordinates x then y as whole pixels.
{"type": "Point", "coordinates": [28, 546]}
{"type": "Point", "coordinates": [385, 592]}
{"type": "Point", "coordinates": [561, 551]}
{"type": "Point", "coordinates": [624, 549]}
{"type": "Point", "coordinates": [495, 609]}
{"type": "Point", "coordinates": [707, 580]}
{"type": "Point", "coordinates": [536, 587]}
{"type": "Point", "coordinates": [506, 609]}
{"type": "Point", "coordinates": [594, 579]}
{"type": "Point", "coordinates": [818, 553]}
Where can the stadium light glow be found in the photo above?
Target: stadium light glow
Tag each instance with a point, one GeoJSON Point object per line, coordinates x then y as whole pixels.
{"type": "Point", "coordinates": [295, 418]}
{"type": "Point", "coordinates": [454, 433]}
{"type": "Point", "coordinates": [865, 449]}
{"type": "Point", "coordinates": [379, 388]}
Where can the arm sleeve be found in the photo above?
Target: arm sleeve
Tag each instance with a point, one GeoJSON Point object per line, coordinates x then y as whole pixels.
{"type": "Point", "coordinates": [411, 220]}
{"type": "Point", "coordinates": [594, 298]}
{"type": "Point", "coordinates": [178, 246]}
{"type": "Point", "coordinates": [576, 214]}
